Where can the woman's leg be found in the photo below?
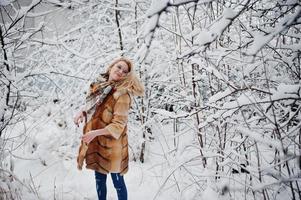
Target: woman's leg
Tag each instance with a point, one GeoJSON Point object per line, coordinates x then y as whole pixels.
{"type": "Point", "coordinates": [119, 185]}
{"type": "Point", "coordinates": [101, 186]}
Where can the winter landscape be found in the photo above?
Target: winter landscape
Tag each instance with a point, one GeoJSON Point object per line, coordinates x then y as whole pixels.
{"type": "Point", "coordinates": [221, 114]}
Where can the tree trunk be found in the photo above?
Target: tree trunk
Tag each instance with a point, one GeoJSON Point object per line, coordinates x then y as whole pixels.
{"type": "Point", "coordinates": [117, 15]}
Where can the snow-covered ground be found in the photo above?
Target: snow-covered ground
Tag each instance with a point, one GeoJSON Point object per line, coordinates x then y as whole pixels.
{"type": "Point", "coordinates": [46, 161]}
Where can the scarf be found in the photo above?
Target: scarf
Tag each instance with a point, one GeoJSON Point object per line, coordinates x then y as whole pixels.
{"type": "Point", "coordinates": [99, 91]}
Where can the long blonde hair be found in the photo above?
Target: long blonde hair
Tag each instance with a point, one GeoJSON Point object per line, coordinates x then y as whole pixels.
{"type": "Point", "coordinates": [130, 82]}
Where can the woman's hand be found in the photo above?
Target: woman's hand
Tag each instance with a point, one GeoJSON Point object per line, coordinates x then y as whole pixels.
{"type": "Point", "coordinates": [79, 118]}
{"type": "Point", "coordinates": [88, 137]}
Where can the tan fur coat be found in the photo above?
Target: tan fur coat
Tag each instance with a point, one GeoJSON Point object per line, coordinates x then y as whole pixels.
{"type": "Point", "coordinates": [109, 153]}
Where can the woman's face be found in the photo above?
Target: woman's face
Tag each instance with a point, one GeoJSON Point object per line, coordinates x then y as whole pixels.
{"type": "Point", "coordinates": [118, 71]}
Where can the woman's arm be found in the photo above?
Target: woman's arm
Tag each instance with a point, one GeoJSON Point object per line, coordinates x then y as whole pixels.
{"type": "Point", "coordinates": [88, 137]}
{"type": "Point", "coordinates": [118, 122]}
{"type": "Point", "coordinates": [120, 116]}
{"type": "Point", "coordinates": [79, 117]}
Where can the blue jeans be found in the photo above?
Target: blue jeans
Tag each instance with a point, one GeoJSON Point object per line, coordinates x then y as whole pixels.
{"type": "Point", "coordinates": [119, 184]}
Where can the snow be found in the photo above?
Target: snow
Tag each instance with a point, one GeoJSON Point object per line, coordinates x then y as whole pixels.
{"type": "Point", "coordinates": [151, 24]}
{"type": "Point", "coordinates": [234, 107]}
{"type": "Point", "coordinates": [84, 57]}
{"type": "Point", "coordinates": [260, 40]}
{"type": "Point", "coordinates": [157, 7]}
{"type": "Point", "coordinates": [287, 91]}
{"type": "Point", "coordinates": [48, 160]}
{"type": "Point", "coordinates": [57, 2]}
{"type": "Point", "coordinates": [260, 138]}
{"type": "Point", "coordinates": [207, 36]}
{"type": "Point", "coordinates": [5, 2]}
{"type": "Point", "coordinates": [209, 193]}
{"type": "Point", "coordinates": [229, 13]}
{"type": "Point", "coordinates": [220, 95]}
{"type": "Point", "coordinates": [179, 2]}
{"type": "Point", "coordinates": [39, 14]}
{"type": "Point", "coordinates": [24, 10]}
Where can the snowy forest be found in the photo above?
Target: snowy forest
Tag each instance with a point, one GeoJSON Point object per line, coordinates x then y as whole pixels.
{"type": "Point", "coordinates": [221, 114]}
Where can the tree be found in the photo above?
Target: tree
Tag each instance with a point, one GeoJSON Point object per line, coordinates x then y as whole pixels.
{"type": "Point", "coordinates": [245, 68]}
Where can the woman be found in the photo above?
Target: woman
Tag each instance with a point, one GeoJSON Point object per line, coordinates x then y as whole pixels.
{"type": "Point", "coordinates": [105, 142]}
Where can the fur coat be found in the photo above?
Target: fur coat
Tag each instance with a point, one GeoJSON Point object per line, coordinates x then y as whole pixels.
{"type": "Point", "coordinates": [109, 153]}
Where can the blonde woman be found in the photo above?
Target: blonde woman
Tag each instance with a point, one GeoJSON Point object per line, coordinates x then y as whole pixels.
{"type": "Point", "coordinates": [105, 142]}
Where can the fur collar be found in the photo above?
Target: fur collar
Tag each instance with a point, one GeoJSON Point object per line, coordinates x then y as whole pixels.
{"type": "Point", "coordinates": [119, 92]}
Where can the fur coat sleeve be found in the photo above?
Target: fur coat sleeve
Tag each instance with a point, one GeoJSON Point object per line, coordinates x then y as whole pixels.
{"type": "Point", "coordinates": [120, 116]}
